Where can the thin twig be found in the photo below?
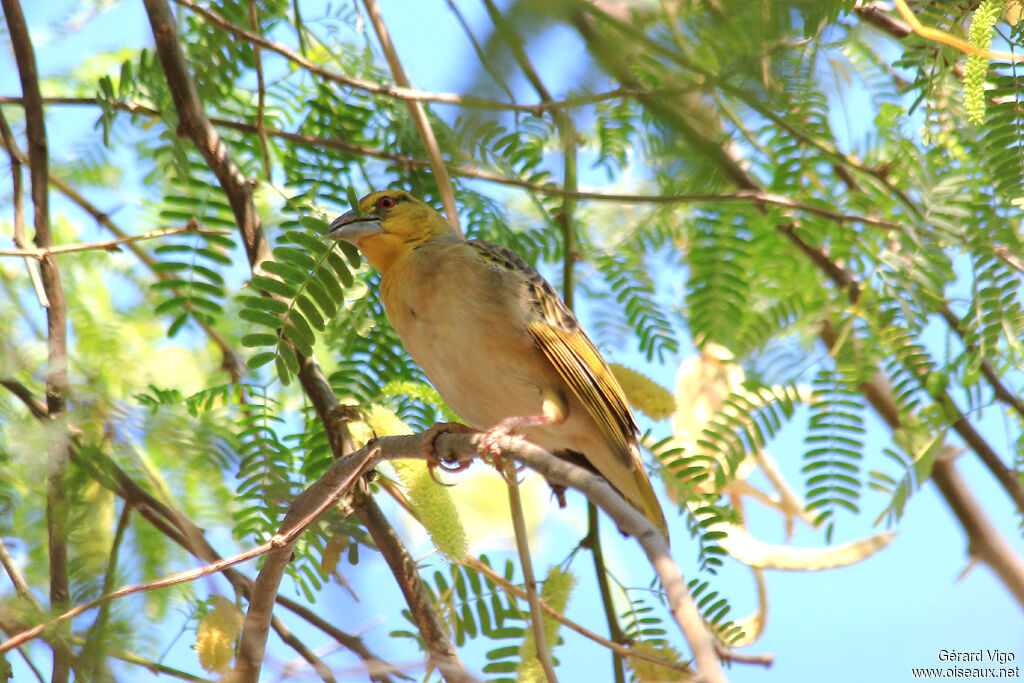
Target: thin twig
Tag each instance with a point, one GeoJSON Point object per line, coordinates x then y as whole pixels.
{"type": "Point", "coordinates": [541, 647]}
{"type": "Point", "coordinates": [7, 138]}
{"type": "Point", "coordinates": [109, 245]}
{"type": "Point", "coordinates": [939, 36]}
{"type": "Point", "coordinates": [17, 578]}
{"type": "Point", "coordinates": [418, 113]}
{"type": "Point", "coordinates": [153, 667]}
{"type": "Point", "coordinates": [404, 93]}
{"type": "Point", "coordinates": [95, 638]}
{"type": "Point", "coordinates": [285, 634]}
{"type": "Point", "coordinates": [593, 541]}
{"type": "Point", "coordinates": [617, 648]}
{"type": "Point", "coordinates": [171, 580]}
{"type": "Point", "coordinates": [261, 92]}
{"type": "Point", "coordinates": [546, 189]}
{"type": "Point", "coordinates": [481, 54]}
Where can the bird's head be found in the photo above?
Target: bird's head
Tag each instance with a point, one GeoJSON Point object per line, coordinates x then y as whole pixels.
{"type": "Point", "coordinates": [388, 225]}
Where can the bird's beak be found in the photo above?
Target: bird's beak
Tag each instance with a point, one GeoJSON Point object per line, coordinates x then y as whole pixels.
{"type": "Point", "coordinates": [353, 227]}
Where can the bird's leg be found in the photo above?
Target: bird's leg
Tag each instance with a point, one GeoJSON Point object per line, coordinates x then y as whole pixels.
{"type": "Point", "coordinates": [435, 459]}
{"type": "Point", "coordinates": [554, 410]}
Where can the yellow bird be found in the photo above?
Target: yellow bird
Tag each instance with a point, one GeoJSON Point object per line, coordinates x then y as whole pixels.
{"type": "Point", "coordinates": [497, 341]}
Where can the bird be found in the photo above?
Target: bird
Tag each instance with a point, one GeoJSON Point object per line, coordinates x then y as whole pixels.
{"type": "Point", "coordinates": [496, 341]}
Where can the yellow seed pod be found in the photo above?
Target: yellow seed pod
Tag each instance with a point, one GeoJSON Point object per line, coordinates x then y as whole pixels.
{"type": "Point", "coordinates": [555, 592]}
{"type": "Point", "coordinates": [643, 393]}
{"type": "Point", "coordinates": [431, 501]}
{"type": "Point", "coordinates": [649, 672]}
{"type": "Point", "coordinates": [980, 35]}
{"type": "Point", "coordinates": [216, 635]}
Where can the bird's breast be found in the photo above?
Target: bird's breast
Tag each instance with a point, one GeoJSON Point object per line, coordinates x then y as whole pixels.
{"type": "Point", "coordinates": [465, 329]}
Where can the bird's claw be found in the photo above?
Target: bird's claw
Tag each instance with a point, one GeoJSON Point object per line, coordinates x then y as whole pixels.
{"type": "Point", "coordinates": [447, 461]}
{"type": "Point", "coordinates": [490, 444]}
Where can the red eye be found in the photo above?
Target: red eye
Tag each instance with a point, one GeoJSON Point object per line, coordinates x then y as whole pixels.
{"type": "Point", "coordinates": [386, 202]}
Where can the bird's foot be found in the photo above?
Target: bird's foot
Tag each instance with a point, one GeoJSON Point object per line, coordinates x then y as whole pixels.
{"type": "Point", "coordinates": [446, 461]}
{"type": "Point", "coordinates": [490, 443]}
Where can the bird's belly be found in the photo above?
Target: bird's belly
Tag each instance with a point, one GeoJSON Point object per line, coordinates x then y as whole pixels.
{"type": "Point", "coordinates": [476, 367]}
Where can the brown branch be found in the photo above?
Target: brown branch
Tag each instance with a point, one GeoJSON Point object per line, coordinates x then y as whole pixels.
{"type": "Point", "coordinates": [984, 542]}
{"type": "Point", "coordinates": [17, 578]}
{"type": "Point", "coordinates": [418, 113]}
{"type": "Point", "coordinates": [617, 648]}
{"type": "Point", "coordinates": [440, 649]}
{"type": "Point", "coordinates": [550, 190]}
{"type": "Point", "coordinates": [171, 580]}
{"type": "Point", "coordinates": [989, 546]}
{"type": "Point", "coordinates": [194, 124]}
{"type": "Point", "coordinates": [110, 245]}
{"type": "Point", "coordinates": [34, 405]}
{"type": "Point", "coordinates": [442, 652]}
{"type": "Point", "coordinates": [541, 647]}
{"type": "Point", "coordinates": [408, 94]}
{"type": "Point", "coordinates": [57, 504]}
{"type": "Point", "coordinates": [323, 493]}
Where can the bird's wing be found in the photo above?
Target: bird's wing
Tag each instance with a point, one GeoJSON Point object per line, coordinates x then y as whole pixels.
{"type": "Point", "coordinates": [559, 336]}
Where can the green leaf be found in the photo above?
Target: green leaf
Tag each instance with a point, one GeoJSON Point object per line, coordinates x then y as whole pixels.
{"type": "Point", "coordinates": [259, 339]}
{"type": "Point", "coordinates": [273, 286]}
{"type": "Point", "coordinates": [314, 224]}
{"type": "Point", "coordinates": [260, 359]}
{"type": "Point", "coordinates": [351, 253]}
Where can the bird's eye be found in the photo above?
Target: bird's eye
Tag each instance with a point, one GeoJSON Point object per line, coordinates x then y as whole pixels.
{"type": "Point", "coordinates": [386, 202]}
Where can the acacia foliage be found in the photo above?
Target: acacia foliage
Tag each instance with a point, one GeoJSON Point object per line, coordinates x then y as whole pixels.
{"type": "Point", "coordinates": [820, 252]}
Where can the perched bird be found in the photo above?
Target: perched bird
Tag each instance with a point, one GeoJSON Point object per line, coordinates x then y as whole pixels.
{"type": "Point", "coordinates": [496, 340]}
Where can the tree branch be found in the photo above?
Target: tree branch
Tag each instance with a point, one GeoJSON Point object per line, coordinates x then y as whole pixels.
{"type": "Point", "coordinates": [7, 140]}
{"type": "Point", "coordinates": [540, 640]}
{"type": "Point", "coordinates": [194, 125]}
{"type": "Point", "coordinates": [460, 447]}
{"type": "Point", "coordinates": [419, 115]}
{"type": "Point", "coordinates": [57, 503]}
{"type": "Point", "coordinates": [110, 245]}
{"type": "Point", "coordinates": [984, 543]}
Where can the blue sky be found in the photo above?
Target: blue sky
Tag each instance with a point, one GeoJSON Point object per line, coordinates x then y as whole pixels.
{"type": "Point", "coordinates": [869, 622]}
